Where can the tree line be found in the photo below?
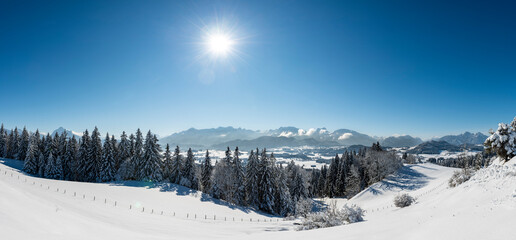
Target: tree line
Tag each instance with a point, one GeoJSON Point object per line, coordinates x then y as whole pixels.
{"type": "Point", "coordinates": [353, 171]}
{"type": "Point", "coordinates": [259, 182]}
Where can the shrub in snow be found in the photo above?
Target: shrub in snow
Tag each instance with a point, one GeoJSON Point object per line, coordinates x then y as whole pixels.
{"type": "Point", "coordinates": [459, 177]}
{"type": "Point", "coordinates": [303, 207]}
{"type": "Point", "coordinates": [403, 200]}
{"type": "Point", "coordinates": [332, 217]}
{"type": "Point", "coordinates": [503, 141]}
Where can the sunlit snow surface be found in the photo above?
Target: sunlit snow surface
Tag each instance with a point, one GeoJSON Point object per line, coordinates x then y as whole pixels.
{"type": "Point", "coordinates": [482, 208]}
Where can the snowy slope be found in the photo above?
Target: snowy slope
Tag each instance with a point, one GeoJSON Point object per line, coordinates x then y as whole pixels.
{"type": "Point", "coordinates": [35, 208]}
{"type": "Point", "coordinates": [482, 208]}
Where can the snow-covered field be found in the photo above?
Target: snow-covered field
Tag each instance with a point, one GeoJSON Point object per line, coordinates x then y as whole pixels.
{"type": "Point", "coordinates": [35, 208]}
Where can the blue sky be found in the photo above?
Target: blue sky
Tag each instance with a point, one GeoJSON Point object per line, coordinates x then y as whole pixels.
{"type": "Point", "coordinates": [425, 68]}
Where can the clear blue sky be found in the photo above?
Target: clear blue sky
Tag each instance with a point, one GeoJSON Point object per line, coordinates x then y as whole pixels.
{"type": "Point", "coordinates": [425, 68]}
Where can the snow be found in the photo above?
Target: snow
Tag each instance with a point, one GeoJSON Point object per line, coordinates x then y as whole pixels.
{"type": "Point", "coordinates": [482, 208]}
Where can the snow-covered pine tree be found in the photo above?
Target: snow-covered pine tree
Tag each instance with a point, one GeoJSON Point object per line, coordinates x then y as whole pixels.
{"type": "Point", "coordinates": [189, 177]}
{"type": "Point", "coordinates": [70, 163]}
{"type": "Point", "coordinates": [95, 155]}
{"type": "Point", "coordinates": [283, 199]}
{"type": "Point", "coordinates": [177, 160]}
{"type": "Point", "coordinates": [503, 141]}
{"type": "Point", "coordinates": [322, 181]}
{"type": "Point", "coordinates": [314, 183]}
{"type": "Point", "coordinates": [107, 164]}
{"type": "Point", "coordinates": [251, 179]}
{"type": "Point", "coordinates": [3, 140]}
{"type": "Point", "coordinates": [167, 164]}
{"type": "Point", "coordinates": [238, 179]}
{"type": "Point", "coordinates": [24, 144]}
{"type": "Point", "coordinates": [85, 165]}
{"type": "Point", "coordinates": [221, 176]}
{"type": "Point", "coordinates": [116, 153]}
{"type": "Point", "coordinates": [206, 173]}
{"type": "Point", "coordinates": [340, 184]}
{"type": "Point", "coordinates": [297, 186]}
{"type": "Point", "coordinates": [266, 183]}
{"type": "Point", "coordinates": [137, 159]}
{"type": "Point", "coordinates": [12, 149]}
{"type": "Point", "coordinates": [30, 165]}
{"type": "Point", "coordinates": [51, 169]}
{"type": "Point", "coordinates": [124, 148]}
{"type": "Point", "coordinates": [42, 163]}
{"type": "Point", "coordinates": [151, 160]}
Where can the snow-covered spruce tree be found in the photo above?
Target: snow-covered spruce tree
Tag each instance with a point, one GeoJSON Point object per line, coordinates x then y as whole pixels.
{"type": "Point", "coordinates": [126, 153]}
{"type": "Point", "coordinates": [251, 179]}
{"type": "Point", "coordinates": [314, 183]}
{"type": "Point", "coordinates": [167, 164]}
{"type": "Point", "coordinates": [340, 184]}
{"type": "Point", "coordinates": [137, 159]}
{"type": "Point", "coordinates": [124, 149]}
{"type": "Point", "coordinates": [503, 141]}
{"type": "Point", "coordinates": [107, 164]}
{"type": "Point", "coordinates": [116, 153]}
{"type": "Point", "coordinates": [283, 200]}
{"type": "Point", "coordinates": [221, 172]}
{"type": "Point", "coordinates": [297, 186]}
{"type": "Point", "coordinates": [84, 163]}
{"type": "Point", "coordinates": [237, 179]}
{"type": "Point", "coordinates": [70, 163]}
{"type": "Point", "coordinates": [12, 150]}
{"type": "Point", "coordinates": [266, 183]}
{"type": "Point", "coordinates": [151, 159]}
{"type": "Point", "coordinates": [206, 172]}
{"type": "Point", "coordinates": [331, 179]}
{"type": "Point", "coordinates": [30, 165]}
{"type": "Point", "coordinates": [53, 169]}
{"type": "Point", "coordinates": [95, 155]}
{"type": "Point", "coordinates": [177, 165]}
{"type": "Point", "coordinates": [3, 141]}
{"type": "Point", "coordinates": [189, 177]}
{"type": "Point", "coordinates": [24, 144]}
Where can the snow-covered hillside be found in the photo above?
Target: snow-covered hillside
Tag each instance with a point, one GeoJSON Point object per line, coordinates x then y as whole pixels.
{"type": "Point", "coordinates": [35, 208]}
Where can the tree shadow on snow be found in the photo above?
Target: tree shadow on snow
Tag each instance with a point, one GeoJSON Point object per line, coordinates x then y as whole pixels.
{"type": "Point", "coordinates": [16, 164]}
{"type": "Point", "coordinates": [406, 179]}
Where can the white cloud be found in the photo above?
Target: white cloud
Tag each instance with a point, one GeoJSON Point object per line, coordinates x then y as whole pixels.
{"type": "Point", "coordinates": [301, 132]}
{"type": "Point", "coordinates": [310, 132]}
{"type": "Point", "coordinates": [286, 134]}
{"type": "Point", "coordinates": [345, 136]}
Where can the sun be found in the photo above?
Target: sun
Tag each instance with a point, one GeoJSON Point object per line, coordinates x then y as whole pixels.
{"type": "Point", "coordinates": [219, 44]}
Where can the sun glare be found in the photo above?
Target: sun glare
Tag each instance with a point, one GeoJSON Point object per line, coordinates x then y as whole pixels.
{"type": "Point", "coordinates": [219, 44]}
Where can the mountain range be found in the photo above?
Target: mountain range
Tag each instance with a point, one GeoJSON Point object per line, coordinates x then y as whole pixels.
{"type": "Point", "coordinates": [222, 137]}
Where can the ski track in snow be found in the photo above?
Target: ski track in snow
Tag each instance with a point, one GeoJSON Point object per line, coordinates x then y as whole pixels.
{"type": "Point", "coordinates": [37, 208]}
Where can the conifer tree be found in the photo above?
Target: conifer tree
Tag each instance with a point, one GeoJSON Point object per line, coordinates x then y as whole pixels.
{"type": "Point", "coordinates": [3, 139]}
{"type": "Point", "coordinates": [107, 164]}
{"type": "Point", "coordinates": [266, 183]}
{"type": "Point", "coordinates": [189, 178]}
{"type": "Point", "coordinates": [283, 199]}
{"type": "Point", "coordinates": [95, 155]}
{"type": "Point", "coordinates": [24, 144]}
{"type": "Point", "coordinates": [30, 165]}
{"type": "Point", "coordinates": [206, 173]}
{"type": "Point", "coordinates": [177, 159]}
{"type": "Point", "coordinates": [70, 163]}
{"type": "Point", "coordinates": [136, 161]}
{"type": "Point", "coordinates": [167, 164]}
{"type": "Point", "coordinates": [251, 179]}
{"type": "Point", "coordinates": [85, 165]}
{"type": "Point", "coordinates": [151, 160]}
{"type": "Point", "coordinates": [237, 179]}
